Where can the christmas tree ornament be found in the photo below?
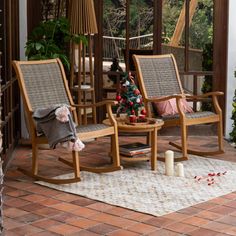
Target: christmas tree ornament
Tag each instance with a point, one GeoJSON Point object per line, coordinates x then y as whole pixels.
{"type": "Point", "coordinates": [130, 99]}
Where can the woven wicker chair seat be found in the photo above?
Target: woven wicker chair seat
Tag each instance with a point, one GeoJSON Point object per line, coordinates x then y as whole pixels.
{"type": "Point", "coordinates": [90, 128]}
{"type": "Point", "coordinates": [193, 115]}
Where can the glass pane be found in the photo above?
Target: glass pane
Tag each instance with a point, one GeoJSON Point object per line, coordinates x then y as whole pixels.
{"type": "Point", "coordinates": [173, 19]}
{"type": "Point", "coordinates": [201, 45]}
{"type": "Point", "coordinates": [201, 35]}
{"type": "Point", "coordinates": [114, 17]}
{"type": "Point", "coordinates": [53, 9]}
{"type": "Point", "coordinates": [114, 37]}
{"type": "Point", "coordinates": [141, 24]}
{"type": "Point", "coordinates": [140, 29]}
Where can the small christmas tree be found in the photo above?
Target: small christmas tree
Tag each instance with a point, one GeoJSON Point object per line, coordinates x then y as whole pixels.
{"type": "Point", "coordinates": [129, 98]}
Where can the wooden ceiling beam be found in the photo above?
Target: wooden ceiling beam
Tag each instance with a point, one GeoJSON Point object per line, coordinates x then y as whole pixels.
{"type": "Point", "coordinates": [176, 37]}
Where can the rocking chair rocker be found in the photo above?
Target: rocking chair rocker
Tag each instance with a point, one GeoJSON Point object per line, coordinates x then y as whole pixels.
{"type": "Point", "coordinates": [159, 81]}
{"type": "Point", "coordinates": [43, 84]}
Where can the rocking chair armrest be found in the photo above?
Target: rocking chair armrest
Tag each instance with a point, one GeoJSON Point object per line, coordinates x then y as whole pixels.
{"type": "Point", "coordinates": [107, 103]}
{"type": "Point", "coordinates": [213, 99]}
{"type": "Point", "coordinates": [161, 99]}
{"type": "Point", "coordinates": [102, 103]}
{"type": "Point", "coordinates": [205, 95]}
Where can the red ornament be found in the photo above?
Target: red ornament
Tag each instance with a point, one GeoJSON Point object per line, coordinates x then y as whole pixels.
{"type": "Point", "coordinates": [132, 112]}
{"type": "Point", "coordinates": [136, 92]}
{"type": "Point", "coordinates": [143, 112]}
{"type": "Point", "coordinates": [131, 103]}
{"type": "Point", "coordinates": [118, 98]}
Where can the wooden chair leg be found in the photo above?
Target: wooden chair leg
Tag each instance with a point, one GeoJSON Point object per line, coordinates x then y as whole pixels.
{"type": "Point", "coordinates": [115, 150]}
{"type": "Point", "coordinates": [183, 145]}
{"type": "Point", "coordinates": [184, 137]}
{"type": "Point", "coordinates": [115, 160]}
{"type": "Point", "coordinates": [184, 133]}
{"type": "Point", "coordinates": [153, 149]}
{"type": "Point", "coordinates": [76, 165]}
{"type": "Point", "coordinates": [186, 150]}
{"type": "Point", "coordinates": [34, 172]}
{"type": "Point", "coordinates": [220, 136]}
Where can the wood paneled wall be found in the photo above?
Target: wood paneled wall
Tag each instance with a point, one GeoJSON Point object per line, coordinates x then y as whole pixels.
{"type": "Point", "coordinates": [220, 48]}
{"type": "Point", "coordinates": [9, 47]}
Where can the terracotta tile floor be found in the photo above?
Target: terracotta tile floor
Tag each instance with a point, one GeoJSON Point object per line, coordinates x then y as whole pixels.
{"type": "Point", "coordinates": [30, 209]}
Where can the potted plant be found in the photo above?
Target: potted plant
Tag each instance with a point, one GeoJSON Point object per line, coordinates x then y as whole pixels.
{"type": "Point", "coordinates": [233, 132]}
{"type": "Point", "coordinates": [50, 40]}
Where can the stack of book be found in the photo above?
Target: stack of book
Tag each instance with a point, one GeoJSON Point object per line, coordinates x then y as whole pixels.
{"type": "Point", "coordinates": [135, 149]}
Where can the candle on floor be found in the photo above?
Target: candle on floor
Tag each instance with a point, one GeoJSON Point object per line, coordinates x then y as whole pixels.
{"type": "Point", "coordinates": [169, 162]}
{"type": "Point", "coordinates": [180, 170]}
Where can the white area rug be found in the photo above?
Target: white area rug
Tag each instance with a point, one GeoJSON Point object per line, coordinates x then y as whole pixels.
{"type": "Point", "coordinates": [138, 188]}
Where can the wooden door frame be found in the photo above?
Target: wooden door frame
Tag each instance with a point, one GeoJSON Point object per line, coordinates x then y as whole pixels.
{"type": "Point", "coordinates": [220, 50]}
{"type": "Point", "coordinates": [10, 99]}
{"type": "Point", "coordinates": [34, 14]}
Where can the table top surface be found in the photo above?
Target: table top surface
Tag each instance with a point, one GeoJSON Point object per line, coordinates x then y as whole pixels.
{"type": "Point", "coordinates": [124, 124]}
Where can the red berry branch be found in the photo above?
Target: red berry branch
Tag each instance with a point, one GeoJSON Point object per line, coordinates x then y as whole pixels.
{"type": "Point", "coordinates": [210, 177]}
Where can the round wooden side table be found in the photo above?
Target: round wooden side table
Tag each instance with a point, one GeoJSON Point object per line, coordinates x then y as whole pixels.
{"type": "Point", "coordinates": [150, 127]}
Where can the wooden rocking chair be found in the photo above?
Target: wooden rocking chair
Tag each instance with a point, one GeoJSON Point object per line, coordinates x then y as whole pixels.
{"type": "Point", "coordinates": [159, 81]}
{"type": "Point", "coordinates": [43, 84]}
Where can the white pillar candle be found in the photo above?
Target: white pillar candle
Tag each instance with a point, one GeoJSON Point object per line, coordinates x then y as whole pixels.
{"type": "Point", "coordinates": [169, 162]}
{"type": "Point", "coordinates": [180, 170]}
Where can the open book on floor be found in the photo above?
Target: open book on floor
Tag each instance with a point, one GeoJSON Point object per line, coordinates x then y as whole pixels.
{"type": "Point", "coordinates": [132, 149]}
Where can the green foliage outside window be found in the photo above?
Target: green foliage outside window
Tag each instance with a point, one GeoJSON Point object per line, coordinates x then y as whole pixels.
{"type": "Point", "coordinates": [141, 20]}
{"type": "Point", "coordinates": [207, 64]}
{"type": "Point", "coordinates": [50, 40]}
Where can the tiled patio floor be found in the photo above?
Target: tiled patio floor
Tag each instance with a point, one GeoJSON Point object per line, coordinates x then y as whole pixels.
{"type": "Point", "coordinates": [30, 209]}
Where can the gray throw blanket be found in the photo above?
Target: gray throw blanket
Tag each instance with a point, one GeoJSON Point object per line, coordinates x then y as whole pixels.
{"type": "Point", "coordinates": [55, 130]}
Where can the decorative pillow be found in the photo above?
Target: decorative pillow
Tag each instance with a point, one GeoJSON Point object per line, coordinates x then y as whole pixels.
{"type": "Point", "coordinates": [169, 107]}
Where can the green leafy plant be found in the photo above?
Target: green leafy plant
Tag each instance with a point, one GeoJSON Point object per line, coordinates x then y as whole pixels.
{"type": "Point", "coordinates": [233, 132]}
{"type": "Point", "coordinates": [207, 66]}
{"type": "Point", "coordinates": [50, 40]}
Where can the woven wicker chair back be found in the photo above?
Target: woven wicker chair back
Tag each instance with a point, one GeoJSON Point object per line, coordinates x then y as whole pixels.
{"type": "Point", "coordinates": [44, 85]}
{"type": "Point", "coordinates": [159, 76]}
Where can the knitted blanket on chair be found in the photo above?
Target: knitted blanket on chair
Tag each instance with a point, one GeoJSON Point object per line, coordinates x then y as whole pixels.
{"type": "Point", "coordinates": [56, 131]}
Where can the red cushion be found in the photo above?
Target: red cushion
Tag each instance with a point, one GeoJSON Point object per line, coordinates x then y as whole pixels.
{"type": "Point", "coordinates": [169, 107]}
